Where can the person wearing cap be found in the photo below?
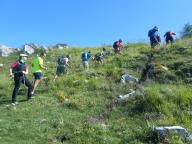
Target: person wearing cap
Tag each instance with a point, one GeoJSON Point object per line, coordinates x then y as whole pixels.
{"type": "Point", "coordinates": [18, 71]}
{"type": "Point", "coordinates": [154, 37]}
{"type": "Point", "coordinates": [37, 69]}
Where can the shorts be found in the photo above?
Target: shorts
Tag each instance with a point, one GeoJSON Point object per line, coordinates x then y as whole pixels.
{"type": "Point", "coordinates": [38, 75]}
{"type": "Point", "coordinates": [169, 39]}
{"type": "Point", "coordinates": [85, 64]}
{"type": "Point", "coordinates": [60, 70]}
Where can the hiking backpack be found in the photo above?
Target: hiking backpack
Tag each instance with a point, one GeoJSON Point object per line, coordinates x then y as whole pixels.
{"type": "Point", "coordinates": [84, 56]}
{"type": "Point", "coordinates": [61, 61]}
{"type": "Point", "coordinates": [18, 67]}
{"type": "Point", "coordinates": [115, 45]}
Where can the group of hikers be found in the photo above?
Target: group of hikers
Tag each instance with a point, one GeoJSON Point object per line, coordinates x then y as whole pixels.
{"type": "Point", "coordinates": [19, 69]}
{"type": "Point", "coordinates": [155, 39]}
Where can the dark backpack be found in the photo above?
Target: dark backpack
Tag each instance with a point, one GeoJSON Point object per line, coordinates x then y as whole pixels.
{"type": "Point", "coordinates": [151, 32]}
{"type": "Point", "coordinates": [115, 45]}
{"type": "Point", "coordinates": [85, 56]}
{"type": "Point", "coordinates": [61, 61]}
{"type": "Point", "coordinates": [18, 67]}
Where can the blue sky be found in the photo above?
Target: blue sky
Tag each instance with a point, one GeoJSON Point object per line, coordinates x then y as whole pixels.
{"type": "Point", "coordinates": [88, 22]}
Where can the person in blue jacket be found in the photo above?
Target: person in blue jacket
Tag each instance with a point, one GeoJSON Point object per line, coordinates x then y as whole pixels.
{"type": "Point", "coordinates": [154, 37]}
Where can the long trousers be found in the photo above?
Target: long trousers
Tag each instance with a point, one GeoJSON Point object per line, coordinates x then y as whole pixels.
{"type": "Point", "coordinates": [18, 81]}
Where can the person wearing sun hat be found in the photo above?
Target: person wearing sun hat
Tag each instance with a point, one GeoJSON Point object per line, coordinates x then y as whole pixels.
{"type": "Point", "coordinates": [18, 71]}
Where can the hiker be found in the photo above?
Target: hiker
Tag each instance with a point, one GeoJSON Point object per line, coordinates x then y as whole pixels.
{"type": "Point", "coordinates": [103, 52]}
{"type": "Point", "coordinates": [18, 71]}
{"type": "Point", "coordinates": [149, 67]}
{"type": "Point", "coordinates": [63, 64]}
{"type": "Point", "coordinates": [117, 46]}
{"type": "Point", "coordinates": [37, 68]}
{"type": "Point", "coordinates": [85, 58]}
{"type": "Point", "coordinates": [100, 56]}
{"type": "Point", "coordinates": [169, 37]}
{"type": "Point", "coordinates": [154, 37]}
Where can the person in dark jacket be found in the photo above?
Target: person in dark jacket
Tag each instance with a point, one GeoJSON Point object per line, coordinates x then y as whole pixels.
{"type": "Point", "coordinates": [18, 71]}
{"type": "Point", "coordinates": [117, 46]}
{"type": "Point", "coordinates": [154, 37]}
{"type": "Point", "coordinates": [169, 37]}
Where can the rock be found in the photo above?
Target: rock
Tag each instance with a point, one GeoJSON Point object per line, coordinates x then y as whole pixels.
{"type": "Point", "coordinates": [162, 132]}
{"type": "Point", "coordinates": [127, 78]}
{"type": "Point", "coordinates": [5, 51]}
{"type": "Point", "coordinates": [126, 96]}
{"type": "Point", "coordinates": [61, 46]}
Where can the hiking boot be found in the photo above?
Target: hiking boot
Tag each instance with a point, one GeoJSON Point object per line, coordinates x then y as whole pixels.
{"type": "Point", "coordinates": [14, 103]}
{"type": "Point", "coordinates": [33, 94]}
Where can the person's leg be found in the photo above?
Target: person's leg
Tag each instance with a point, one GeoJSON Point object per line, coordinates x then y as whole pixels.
{"type": "Point", "coordinates": [57, 73]}
{"type": "Point", "coordinates": [16, 88]}
{"type": "Point", "coordinates": [38, 77]}
{"type": "Point", "coordinates": [171, 41]}
{"type": "Point", "coordinates": [167, 41]}
{"type": "Point", "coordinates": [84, 65]}
{"type": "Point", "coordinates": [152, 43]}
{"type": "Point", "coordinates": [55, 77]}
{"type": "Point", "coordinates": [36, 83]}
{"type": "Point", "coordinates": [29, 85]}
{"type": "Point", "coordinates": [87, 65]}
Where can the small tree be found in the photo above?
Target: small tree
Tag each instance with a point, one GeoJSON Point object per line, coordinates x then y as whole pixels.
{"type": "Point", "coordinates": [187, 31]}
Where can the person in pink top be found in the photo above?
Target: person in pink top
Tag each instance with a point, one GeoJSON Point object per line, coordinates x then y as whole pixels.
{"type": "Point", "coordinates": [169, 37]}
{"type": "Point", "coordinates": [117, 46]}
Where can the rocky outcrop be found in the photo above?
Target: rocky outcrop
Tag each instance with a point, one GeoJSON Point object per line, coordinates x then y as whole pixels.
{"type": "Point", "coordinates": [5, 51]}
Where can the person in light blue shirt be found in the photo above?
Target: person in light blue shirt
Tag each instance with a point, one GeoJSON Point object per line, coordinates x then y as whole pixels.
{"type": "Point", "coordinates": [85, 58]}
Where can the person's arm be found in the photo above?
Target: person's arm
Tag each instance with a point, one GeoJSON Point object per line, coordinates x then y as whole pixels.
{"type": "Point", "coordinates": [11, 72]}
{"type": "Point", "coordinates": [41, 65]}
{"type": "Point", "coordinates": [26, 71]}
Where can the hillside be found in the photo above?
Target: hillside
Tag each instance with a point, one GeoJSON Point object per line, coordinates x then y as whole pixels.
{"type": "Point", "coordinates": [81, 107]}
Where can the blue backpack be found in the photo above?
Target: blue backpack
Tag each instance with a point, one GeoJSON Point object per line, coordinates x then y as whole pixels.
{"type": "Point", "coordinates": [151, 32]}
{"type": "Point", "coordinates": [115, 45]}
{"type": "Point", "coordinates": [84, 56]}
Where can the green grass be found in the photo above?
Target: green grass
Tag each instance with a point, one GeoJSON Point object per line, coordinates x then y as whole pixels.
{"type": "Point", "coordinates": [80, 107]}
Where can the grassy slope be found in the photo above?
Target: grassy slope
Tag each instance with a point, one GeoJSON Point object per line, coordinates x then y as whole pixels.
{"type": "Point", "coordinates": [85, 111]}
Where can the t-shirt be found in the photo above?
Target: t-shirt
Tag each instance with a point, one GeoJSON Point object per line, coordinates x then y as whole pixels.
{"type": "Point", "coordinates": [36, 64]}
